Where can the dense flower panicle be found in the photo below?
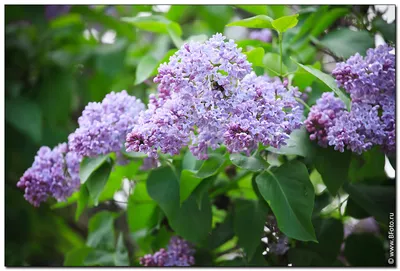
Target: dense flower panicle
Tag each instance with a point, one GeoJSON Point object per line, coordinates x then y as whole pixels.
{"type": "Point", "coordinates": [263, 111]}
{"type": "Point", "coordinates": [322, 117]}
{"type": "Point", "coordinates": [264, 35]}
{"type": "Point", "coordinates": [54, 173]}
{"type": "Point", "coordinates": [200, 103]}
{"type": "Point", "coordinates": [103, 126]}
{"type": "Point", "coordinates": [366, 78]}
{"type": "Point", "coordinates": [178, 253]}
{"type": "Point", "coordinates": [358, 130]}
{"type": "Point", "coordinates": [370, 81]}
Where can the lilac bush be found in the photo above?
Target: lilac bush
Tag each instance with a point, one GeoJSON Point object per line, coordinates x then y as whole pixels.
{"type": "Point", "coordinates": [54, 173]}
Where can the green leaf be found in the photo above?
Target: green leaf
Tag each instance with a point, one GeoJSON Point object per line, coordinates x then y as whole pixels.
{"type": "Point", "coordinates": [255, 56]}
{"type": "Point", "coordinates": [321, 201]}
{"type": "Point", "coordinates": [121, 257]}
{"type": "Point", "coordinates": [211, 166]}
{"type": "Point", "coordinates": [255, 9]}
{"type": "Point", "coordinates": [354, 210]}
{"type": "Point", "coordinates": [388, 31]}
{"type": "Point", "coordinates": [101, 231]}
{"type": "Point", "coordinates": [328, 80]}
{"type": "Point", "coordinates": [304, 257]}
{"type": "Point", "coordinates": [333, 167]}
{"type": "Point", "coordinates": [188, 221]}
{"type": "Point", "coordinates": [310, 22]}
{"type": "Point", "coordinates": [254, 43]}
{"type": "Point", "coordinates": [76, 256]}
{"type": "Point", "coordinates": [364, 250]}
{"type": "Point", "coordinates": [118, 174]}
{"type": "Point", "coordinates": [198, 38]}
{"type": "Point", "coordinates": [26, 116]}
{"type": "Point", "coordinates": [163, 60]}
{"type": "Point", "coordinates": [110, 58]}
{"type": "Point", "coordinates": [303, 79]}
{"type": "Point", "coordinates": [345, 42]}
{"type": "Point", "coordinates": [259, 21]}
{"type": "Point", "coordinates": [248, 224]}
{"type": "Point", "coordinates": [253, 163]}
{"type": "Point", "coordinates": [370, 166]}
{"type": "Point", "coordinates": [100, 257]}
{"type": "Point", "coordinates": [290, 195]}
{"type": "Point", "coordinates": [272, 64]}
{"type": "Point", "coordinates": [190, 179]}
{"type": "Point", "coordinates": [123, 29]}
{"type": "Point", "coordinates": [175, 32]}
{"type": "Point", "coordinates": [140, 208]}
{"type": "Point", "coordinates": [158, 24]}
{"type": "Point", "coordinates": [83, 201]}
{"type": "Point", "coordinates": [277, 11]}
{"type": "Point", "coordinates": [145, 68]}
{"type": "Point", "coordinates": [375, 200]}
{"type": "Point", "coordinates": [330, 235]}
{"type": "Point", "coordinates": [90, 165]}
{"type": "Point", "coordinates": [284, 23]}
{"type": "Point", "coordinates": [222, 233]}
{"type": "Point", "coordinates": [97, 181]}
{"type": "Point", "coordinates": [190, 162]}
{"type": "Point", "coordinates": [298, 144]}
{"type": "Point", "coordinates": [327, 19]}
{"type": "Point", "coordinates": [57, 86]}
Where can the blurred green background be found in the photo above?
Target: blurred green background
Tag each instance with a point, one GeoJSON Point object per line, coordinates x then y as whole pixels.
{"type": "Point", "coordinates": [58, 58]}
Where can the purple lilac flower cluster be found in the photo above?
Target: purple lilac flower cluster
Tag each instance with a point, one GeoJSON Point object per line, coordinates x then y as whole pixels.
{"type": "Point", "coordinates": [102, 130]}
{"type": "Point", "coordinates": [322, 116]}
{"type": "Point", "coordinates": [371, 119]}
{"type": "Point", "coordinates": [208, 96]}
{"type": "Point", "coordinates": [103, 126]}
{"type": "Point", "coordinates": [54, 173]}
{"type": "Point", "coordinates": [178, 253]}
{"type": "Point", "coordinates": [264, 35]}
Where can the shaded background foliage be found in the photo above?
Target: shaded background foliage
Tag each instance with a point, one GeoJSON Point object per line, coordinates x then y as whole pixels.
{"type": "Point", "coordinates": [60, 58]}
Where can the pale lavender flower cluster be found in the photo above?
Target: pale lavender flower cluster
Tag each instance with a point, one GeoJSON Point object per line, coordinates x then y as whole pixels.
{"type": "Point", "coordinates": [103, 126]}
{"type": "Point", "coordinates": [178, 253]}
{"type": "Point", "coordinates": [208, 96]}
{"type": "Point", "coordinates": [102, 129]}
{"type": "Point", "coordinates": [371, 119]}
{"type": "Point", "coordinates": [54, 173]}
{"type": "Point", "coordinates": [264, 35]}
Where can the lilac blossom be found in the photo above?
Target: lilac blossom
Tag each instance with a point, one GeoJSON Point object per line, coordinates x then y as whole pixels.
{"type": "Point", "coordinates": [207, 97]}
{"type": "Point", "coordinates": [54, 173]}
{"type": "Point", "coordinates": [322, 117]}
{"type": "Point", "coordinates": [370, 81]}
{"type": "Point", "coordinates": [264, 35]}
{"type": "Point", "coordinates": [366, 78]}
{"type": "Point", "coordinates": [103, 126]}
{"type": "Point", "coordinates": [178, 253]}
